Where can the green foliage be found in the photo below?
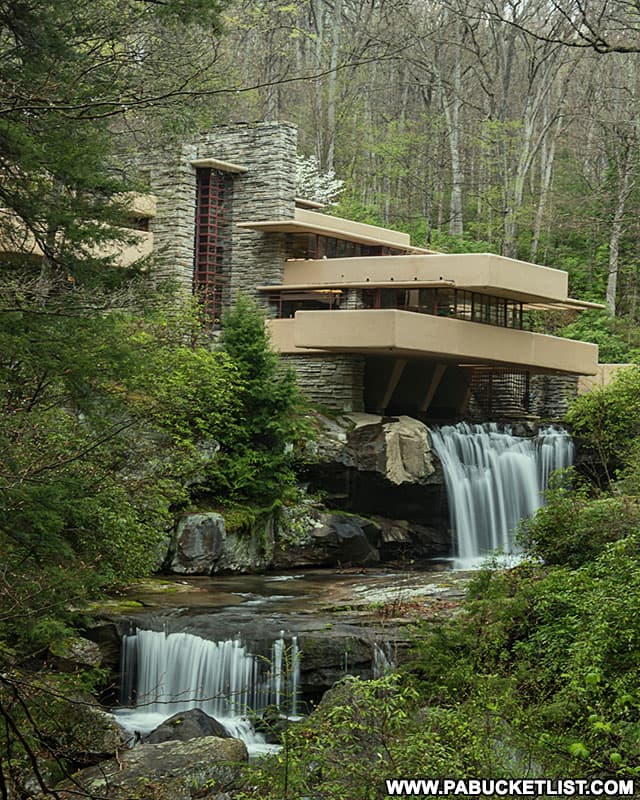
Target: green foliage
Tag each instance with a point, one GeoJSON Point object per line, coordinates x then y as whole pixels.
{"type": "Point", "coordinates": [362, 733]}
{"type": "Point", "coordinates": [607, 420]}
{"type": "Point", "coordinates": [256, 462]}
{"type": "Point", "coordinates": [555, 654]}
{"type": "Point", "coordinates": [573, 528]}
{"type": "Point", "coordinates": [616, 345]}
{"type": "Point", "coordinates": [445, 242]}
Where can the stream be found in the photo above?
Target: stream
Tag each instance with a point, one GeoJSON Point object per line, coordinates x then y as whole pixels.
{"type": "Point", "coordinates": [236, 645]}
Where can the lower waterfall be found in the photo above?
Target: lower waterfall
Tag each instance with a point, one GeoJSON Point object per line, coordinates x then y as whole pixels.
{"type": "Point", "coordinates": [165, 673]}
{"type": "Point", "coordinates": [494, 480]}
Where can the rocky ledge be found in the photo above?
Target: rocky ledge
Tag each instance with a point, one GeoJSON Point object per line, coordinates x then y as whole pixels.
{"type": "Point", "coordinates": [202, 767]}
{"type": "Point", "coordinates": [385, 498]}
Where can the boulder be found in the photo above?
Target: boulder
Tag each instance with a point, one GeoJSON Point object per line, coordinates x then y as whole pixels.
{"type": "Point", "coordinates": [203, 544]}
{"type": "Point", "coordinates": [199, 543]}
{"type": "Point", "coordinates": [347, 539]}
{"type": "Point", "coordinates": [173, 770]}
{"type": "Point", "coordinates": [399, 537]}
{"type": "Point", "coordinates": [397, 448]}
{"type": "Point", "coordinates": [328, 655]}
{"type": "Point", "coordinates": [186, 725]}
{"type": "Point", "coordinates": [274, 726]}
{"type": "Point", "coordinates": [408, 451]}
{"type": "Point", "coordinates": [75, 653]}
{"type": "Point", "coordinates": [92, 732]}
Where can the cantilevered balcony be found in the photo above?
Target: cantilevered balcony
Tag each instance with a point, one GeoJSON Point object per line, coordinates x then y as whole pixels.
{"type": "Point", "coordinates": [16, 238]}
{"type": "Point", "coordinates": [404, 334]}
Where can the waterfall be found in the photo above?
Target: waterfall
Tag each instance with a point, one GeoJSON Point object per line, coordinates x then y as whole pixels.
{"type": "Point", "coordinates": [165, 673]}
{"type": "Point", "coordinates": [493, 480]}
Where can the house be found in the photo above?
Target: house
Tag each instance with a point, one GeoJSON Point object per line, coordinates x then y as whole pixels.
{"type": "Point", "coordinates": [368, 321]}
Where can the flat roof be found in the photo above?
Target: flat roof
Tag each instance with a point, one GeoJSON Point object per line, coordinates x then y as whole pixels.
{"type": "Point", "coordinates": [306, 221]}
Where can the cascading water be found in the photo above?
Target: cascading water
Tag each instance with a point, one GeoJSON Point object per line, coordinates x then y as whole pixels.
{"type": "Point", "coordinates": [165, 673]}
{"type": "Point", "coordinates": [494, 480]}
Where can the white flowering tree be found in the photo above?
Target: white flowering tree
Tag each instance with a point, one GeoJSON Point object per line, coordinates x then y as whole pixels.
{"type": "Point", "coordinates": [314, 184]}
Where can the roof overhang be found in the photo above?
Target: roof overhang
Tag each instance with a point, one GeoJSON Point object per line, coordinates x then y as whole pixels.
{"type": "Point", "coordinates": [215, 163]}
{"type": "Point", "coordinates": [312, 205]}
{"type": "Point", "coordinates": [306, 221]}
{"type": "Point", "coordinates": [485, 273]}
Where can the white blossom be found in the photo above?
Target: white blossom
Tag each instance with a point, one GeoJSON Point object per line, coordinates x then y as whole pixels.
{"type": "Point", "coordinates": [314, 184]}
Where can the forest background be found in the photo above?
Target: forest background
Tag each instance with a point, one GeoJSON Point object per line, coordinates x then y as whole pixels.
{"type": "Point", "coordinates": [507, 127]}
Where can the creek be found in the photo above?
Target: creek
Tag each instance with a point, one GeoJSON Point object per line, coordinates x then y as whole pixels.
{"type": "Point", "coordinates": [237, 645]}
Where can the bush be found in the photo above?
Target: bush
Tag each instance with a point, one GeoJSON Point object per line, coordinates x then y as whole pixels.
{"type": "Point", "coordinates": [573, 528]}
{"type": "Point", "coordinates": [606, 421]}
{"type": "Point", "coordinates": [364, 732]}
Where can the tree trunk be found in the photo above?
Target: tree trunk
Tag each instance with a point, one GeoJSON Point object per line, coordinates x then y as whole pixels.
{"type": "Point", "coordinates": [625, 186]}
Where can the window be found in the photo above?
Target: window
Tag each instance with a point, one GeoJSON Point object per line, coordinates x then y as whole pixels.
{"type": "Point", "coordinates": [209, 272]}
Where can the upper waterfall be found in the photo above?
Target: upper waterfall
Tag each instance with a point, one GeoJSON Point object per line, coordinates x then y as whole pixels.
{"type": "Point", "coordinates": [494, 480]}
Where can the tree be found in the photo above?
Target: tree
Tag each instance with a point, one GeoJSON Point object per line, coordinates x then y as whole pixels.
{"type": "Point", "coordinates": [314, 184]}
{"type": "Point", "coordinates": [604, 26]}
{"type": "Point", "coordinates": [257, 463]}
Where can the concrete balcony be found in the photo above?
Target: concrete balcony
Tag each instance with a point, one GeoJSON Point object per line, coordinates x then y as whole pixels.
{"type": "Point", "coordinates": [484, 273]}
{"type": "Point", "coordinates": [404, 334]}
{"type": "Point", "coordinates": [16, 238]}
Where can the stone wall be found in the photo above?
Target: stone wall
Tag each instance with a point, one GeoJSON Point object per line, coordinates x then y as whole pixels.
{"type": "Point", "coordinates": [331, 381]}
{"type": "Point", "coordinates": [173, 180]}
{"type": "Point", "coordinates": [550, 395]}
{"type": "Point", "coordinates": [266, 191]}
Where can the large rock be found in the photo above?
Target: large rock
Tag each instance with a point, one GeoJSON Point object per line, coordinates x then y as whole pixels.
{"type": "Point", "coordinates": [400, 537]}
{"type": "Point", "coordinates": [168, 771]}
{"type": "Point", "coordinates": [347, 539]}
{"type": "Point", "coordinates": [397, 448]}
{"type": "Point", "coordinates": [204, 545]}
{"type": "Point", "coordinates": [75, 653]}
{"type": "Point", "coordinates": [187, 725]}
{"type": "Point", "coordinates": [199, 544]}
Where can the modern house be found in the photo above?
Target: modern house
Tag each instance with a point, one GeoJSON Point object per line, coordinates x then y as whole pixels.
{"type": "Point", "coordinates": [368, 321]}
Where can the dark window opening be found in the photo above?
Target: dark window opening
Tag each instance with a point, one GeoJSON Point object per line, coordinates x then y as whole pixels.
{"type": "Point", "coordinates": [313, 245]}
{"type": "Point", "coordinates": [448, 302]}
{"type": "Point", "coordinates": [287, 303]}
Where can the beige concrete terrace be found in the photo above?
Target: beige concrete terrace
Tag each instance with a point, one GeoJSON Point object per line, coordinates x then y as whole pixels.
{"type": "Point", "coordinates": [484, 273]}
{"type": "Point", "coordinates": [15, 237]}
{"type": "Point", "coordinates": [306, 221]}
{"type": "Point", "coordinates": [408, 335]}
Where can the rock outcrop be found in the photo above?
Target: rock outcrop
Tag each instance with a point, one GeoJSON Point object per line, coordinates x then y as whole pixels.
{"type": "Point", "coordinates": [201, 767]}
{"type": "Point", "coordinates": [204, 545]}
{"type": "Point", "coordinates": [383, 468]}
{"type": "Point", "coordinates": [369, 466]}
{"type": "Point", "coordinates": [199, 544]}
{"type": "Point", "coordinates": [344, 539]}
{"type": "Point", "coordinates": [397, 448]}
{"type": "Point", "coordinates": [75, 653]}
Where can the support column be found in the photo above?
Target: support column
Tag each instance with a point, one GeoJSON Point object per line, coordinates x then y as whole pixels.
{"type": "Point", "coordinates": [394, 379]}
{"type": "Point", "coordinates": [436, 377]}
